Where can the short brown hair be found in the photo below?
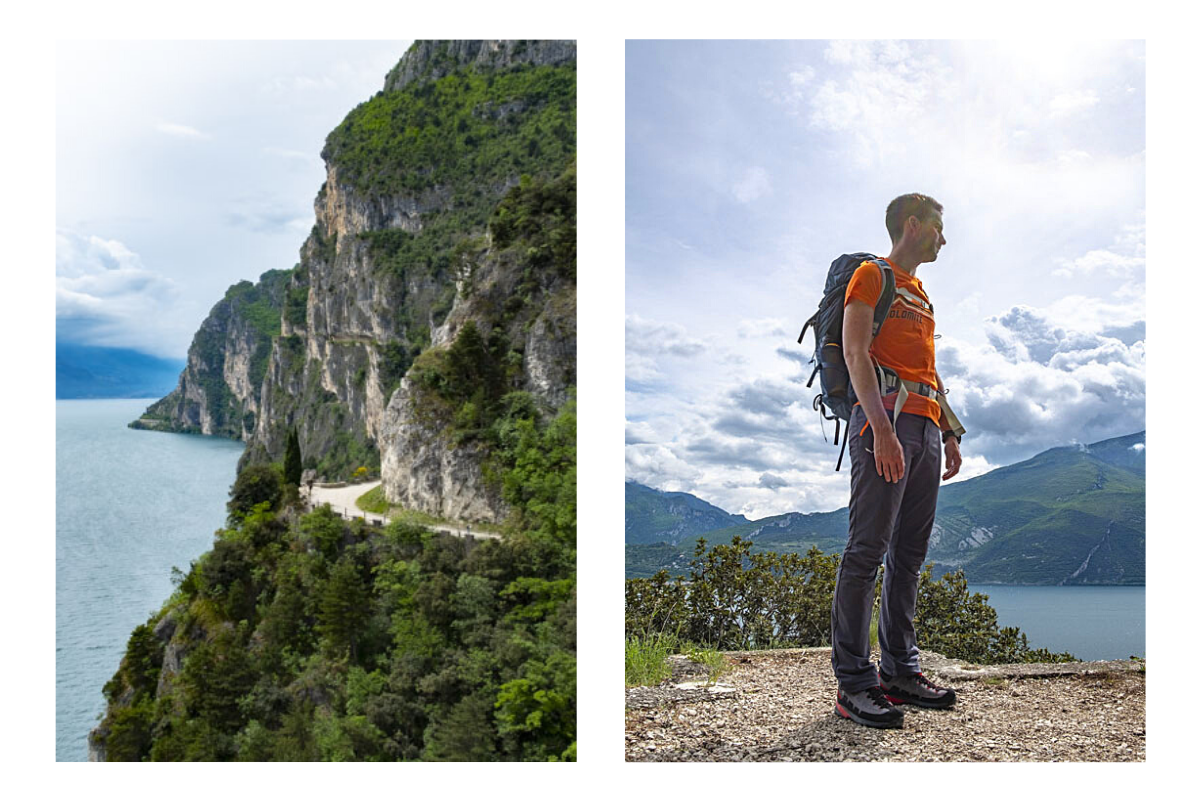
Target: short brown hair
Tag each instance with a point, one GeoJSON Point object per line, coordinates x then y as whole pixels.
{"type": "Point", "coordinates": [899, 210]}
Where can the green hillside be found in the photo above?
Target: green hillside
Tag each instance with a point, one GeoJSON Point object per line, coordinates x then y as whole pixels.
{"type": "Point", "coordinates": [655, 516]}
{"type": "Point", "coordinates": [1070, 515]}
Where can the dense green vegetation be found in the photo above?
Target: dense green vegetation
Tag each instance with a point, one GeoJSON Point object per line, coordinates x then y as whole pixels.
{"type": "Point", "coordinates": [737, 599]}
{"type": "Point", "coordinates": [468, 130]}
{"type": "Point", "coordinates": [310, 638]}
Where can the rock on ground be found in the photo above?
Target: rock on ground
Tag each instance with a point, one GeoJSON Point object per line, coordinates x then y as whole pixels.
{"type": "Point", "coordinates": [778, 706]}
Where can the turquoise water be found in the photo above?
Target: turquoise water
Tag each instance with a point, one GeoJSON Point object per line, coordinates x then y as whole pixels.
{"type": "Point", "coordinates": [1090, 622]}
{"type": "Point", "coordinates": [129, 505]}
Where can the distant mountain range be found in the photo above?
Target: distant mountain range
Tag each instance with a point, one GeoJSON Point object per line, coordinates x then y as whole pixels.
{"type": "Point", "coordinates": [1070, 515]}
{"type": "Point", "coordinates": [81, 371]}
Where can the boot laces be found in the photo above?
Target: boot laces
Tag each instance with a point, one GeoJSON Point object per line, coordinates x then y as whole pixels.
{"type": "Point", "coordinates": [877, 696]}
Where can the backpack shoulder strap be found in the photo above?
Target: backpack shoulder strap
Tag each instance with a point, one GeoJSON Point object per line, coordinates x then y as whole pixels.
{"type": "Point", "coordinates": [886, 295]}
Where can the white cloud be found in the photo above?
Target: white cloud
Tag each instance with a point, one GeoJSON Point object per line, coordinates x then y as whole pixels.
{"type": "Point", "coordinates": [294, 155]}
{"type": "Point", "coordinates": [1040, 382]}
{"type": "Point", "coordinates": [925, 116]}
{"type": "Point", "coordinates": [181, 131]}
{"type": "Point", "coordinates": [104, 295]}
{"type": "Point", "coordinates": [754, 328]}
{"type": "Point", "coordinates": [299, 83]}
{"type": "Point", "coordinates": [647, 337]}
{"type": "Point", "coordinates": [270, 217]}
{"type": "Point", "coordinates": [1105, 260]}
{"type": "Point", "coordinates": [639, 433]}
{"type": "Point", "coordinates": [640, 368]}
{"type": "Point", "coordinates": [883, 81]}
{"type": "Point", "coordinates": [801, 76]}
{"type": "Point", "coordinates": [1071, 102]}
{"type": "Point", "coordinates": [1074, 158]}
{"type": "Point", "coordinates": [752, 185]}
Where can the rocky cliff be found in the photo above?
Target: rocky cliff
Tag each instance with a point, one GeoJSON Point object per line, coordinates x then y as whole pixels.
{"type": "Point", "coordinates": [218, 390]}
{"type": "Point", "coordinates": [448, 203]}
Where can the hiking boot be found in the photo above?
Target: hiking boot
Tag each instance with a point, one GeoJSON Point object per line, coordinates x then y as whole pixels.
{"type": "Point", "coordinates": [869, 707]}
{"type": "Point", "coordinates": [917, 690]}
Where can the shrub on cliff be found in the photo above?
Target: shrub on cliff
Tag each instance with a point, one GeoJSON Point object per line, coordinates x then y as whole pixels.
{"type": "Point", "coordinates": [256, 483]}
{"type": "Point", "coordinates": [737, 599]}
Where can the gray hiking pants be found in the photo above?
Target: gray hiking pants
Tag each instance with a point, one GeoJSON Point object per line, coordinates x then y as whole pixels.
{"type": "Point", "coordinates": [892, 520]}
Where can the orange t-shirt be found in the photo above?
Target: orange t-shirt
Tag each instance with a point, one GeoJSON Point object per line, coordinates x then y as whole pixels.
{"type": "Point", "coordinates": [905, 340]}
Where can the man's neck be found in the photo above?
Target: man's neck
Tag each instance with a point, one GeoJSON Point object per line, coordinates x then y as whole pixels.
{"type": "Point", "coordinates": [904, 259]}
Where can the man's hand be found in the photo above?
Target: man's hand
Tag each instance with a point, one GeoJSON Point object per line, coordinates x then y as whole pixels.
{"type": "Point", "coordinates": [889, 455]}
{"type": "Point", "coordinates": [953, 459]}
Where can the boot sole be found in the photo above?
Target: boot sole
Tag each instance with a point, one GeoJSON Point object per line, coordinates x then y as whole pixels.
{"type": "Point", "coordinates": [842, 711]}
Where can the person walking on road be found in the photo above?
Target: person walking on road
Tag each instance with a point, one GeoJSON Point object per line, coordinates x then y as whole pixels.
{"type": "Point", "coordinates": [896, 458]}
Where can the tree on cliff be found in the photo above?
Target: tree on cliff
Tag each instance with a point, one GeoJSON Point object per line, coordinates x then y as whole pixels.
{"type": "Point", "coordinates": [291, 460]}
{"type": "Point", "coordinates": [257, 483]}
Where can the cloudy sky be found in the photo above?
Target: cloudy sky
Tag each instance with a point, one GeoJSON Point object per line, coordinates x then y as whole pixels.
{"type": "Point", "coordinates": [184, 167]}
{"type": "Point", "coordinates": [751, 165]}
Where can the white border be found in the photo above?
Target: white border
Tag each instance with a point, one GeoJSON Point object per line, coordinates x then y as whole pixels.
{"type": "Point", "coordinates": [28, 66]}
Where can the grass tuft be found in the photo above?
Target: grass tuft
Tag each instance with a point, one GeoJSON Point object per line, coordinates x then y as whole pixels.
{"type": "Point", "coordinates": [646, 659]}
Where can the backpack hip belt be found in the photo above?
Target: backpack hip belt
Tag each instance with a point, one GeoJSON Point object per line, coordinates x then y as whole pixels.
{"type": "Point", "coordinates": [890, 382]}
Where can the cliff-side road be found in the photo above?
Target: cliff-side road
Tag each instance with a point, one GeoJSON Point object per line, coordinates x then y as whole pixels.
{"type": "Point", "coordinates": [778, 706]}
{"type": "Point", "coordinates": [342, 498]}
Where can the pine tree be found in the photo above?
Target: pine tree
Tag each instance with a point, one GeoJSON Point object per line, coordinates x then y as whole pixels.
{"type": "Point", "coordinates": [291, 459]}
{"type": "Point", "coordinates": [343, 609]}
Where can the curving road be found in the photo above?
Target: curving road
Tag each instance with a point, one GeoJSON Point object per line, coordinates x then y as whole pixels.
{"type": "Point", "coordinates": [341, 500]}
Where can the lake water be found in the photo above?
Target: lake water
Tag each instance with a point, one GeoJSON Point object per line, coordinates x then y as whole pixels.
{"type": "Point", "coordinates": [129, 506]}
{"type": "Point", "coordinates": [1090, 622]}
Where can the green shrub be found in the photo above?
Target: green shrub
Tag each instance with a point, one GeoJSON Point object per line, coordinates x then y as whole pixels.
{"type": "Point", "coordinates": [738, 599]}
{"type": "Point", "coordinates": [255, 484]}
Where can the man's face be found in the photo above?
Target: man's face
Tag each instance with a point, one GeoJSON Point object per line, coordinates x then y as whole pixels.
{"type": "Point", "coordinates": [930, 237]}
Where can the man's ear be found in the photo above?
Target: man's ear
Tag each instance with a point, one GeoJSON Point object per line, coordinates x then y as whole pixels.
{"type": "Point", "coordinates": [912, 224]}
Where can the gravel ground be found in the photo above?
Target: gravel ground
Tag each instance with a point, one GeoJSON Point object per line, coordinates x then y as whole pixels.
{"type": "Point", "coordinates": [778, 706]}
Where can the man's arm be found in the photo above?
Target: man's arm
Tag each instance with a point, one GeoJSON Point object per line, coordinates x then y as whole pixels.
{"type": "Point", "coordinates": [856, 345]}
{"type": "Point", "coordinates": [953, 454]}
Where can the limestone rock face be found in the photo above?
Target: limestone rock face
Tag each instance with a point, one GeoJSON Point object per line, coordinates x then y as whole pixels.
{"type": "Point", "coordinates": [425, 471]}
{"type": "Point", "coordinates": [323, 347]}
{"type": "Point", "coordinates": [423, 467]}
{"type": "Point", "coordinates": [218, 391]}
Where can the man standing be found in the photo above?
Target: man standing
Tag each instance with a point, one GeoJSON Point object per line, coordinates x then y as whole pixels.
{"type": "Point", "coordinates": [895, 457]}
